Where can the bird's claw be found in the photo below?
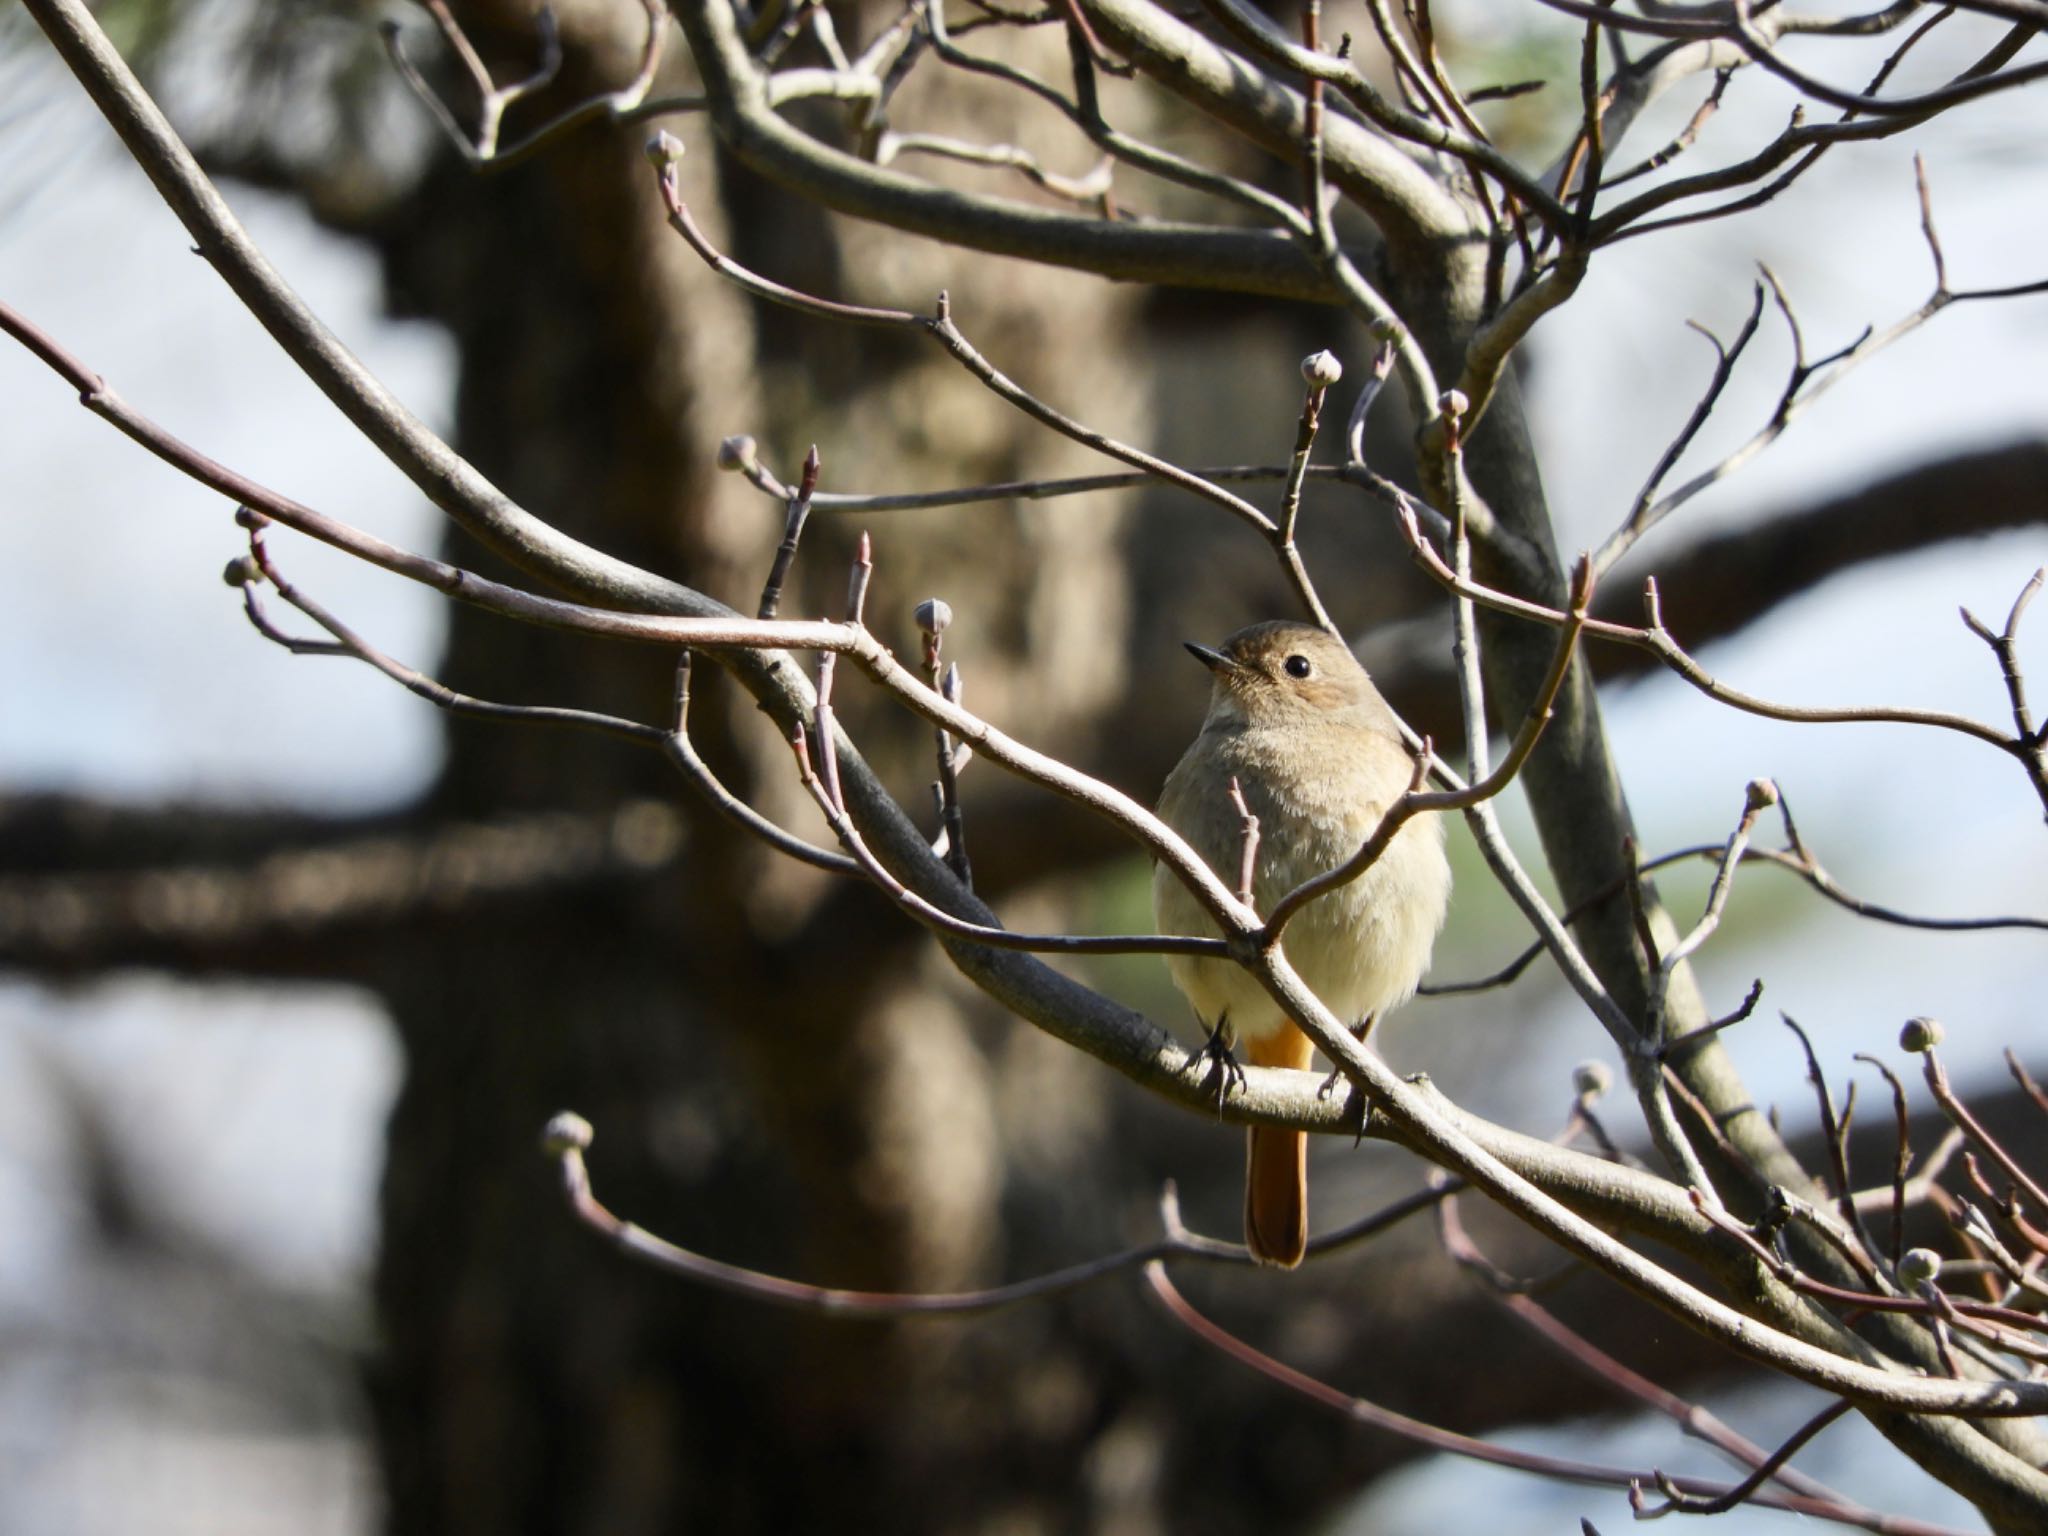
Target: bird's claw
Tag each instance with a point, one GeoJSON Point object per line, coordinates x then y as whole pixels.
{"type": "Point", "coordinates": [1328, 1085]}
{"type": "Point", "coordinates": [1221, 1065]}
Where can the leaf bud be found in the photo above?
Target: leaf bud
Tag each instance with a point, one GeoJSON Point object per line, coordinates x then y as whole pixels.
{"type": "Point", "coordinates": [664, 150]}
{"type": "Point", "coordinates": [1918, 1267]}
{"type": "Point", "coordinates": [1321, 369]}
{"type": "Point", "coordinates": [566, 1132]}
{"type": "Point", "coordinates": [1920, 1036]}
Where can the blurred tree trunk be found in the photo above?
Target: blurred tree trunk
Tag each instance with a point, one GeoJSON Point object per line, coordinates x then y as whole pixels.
{"type": "Point", "coordinates": [773, 1075]}
{"type": "Point", "coordinates": [779, 1068]}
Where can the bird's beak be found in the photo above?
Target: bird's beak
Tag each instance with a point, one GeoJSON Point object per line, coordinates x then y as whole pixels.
{"type": "Point", "coordinates": [1214, 660]}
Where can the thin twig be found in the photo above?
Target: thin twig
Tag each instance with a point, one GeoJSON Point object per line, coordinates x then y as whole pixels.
{"type": "Point", "coordinates": [1696, 1421]}
{"type": "Point", "coordinates": [1978, 1312]}
{"type": "Point", "coordinates": [1902, 1156]}
{"type": "Point", "coordinates": [628, 103]}
{"type": "Point", "coordinates": [1418, 801]}
{"type": "Point", "coordinates": [1834, 1134]}
{"type": "Point", "coordinates": [819, 775]}
{"type": "Point", "coordinates": [1959, 1114]}
{"type": "Point", "coordinates": [792, 531]}
{"type": "Point", "coordinates": [1248, 843]}
{"type": "Point", "coordinates": [1677, 1500]}
{"type": "Point", "coordinates": [1319, 371]}
{"type": "Point", "coordinates": [2004, 645]}
{"type": "Point", "coordinates": [1759, 796]}
{"type": "Point", "coordinates": [666, 154]}
{"type": "Point", "coordinates": [569, 1135]}
{"type": "Point", "coordinates": [1415, 1431]}
{"type": "Point", "coordinates": [346, 642]}
{"type": "Point", "coordinates": [1646, 513]}
{"type": "Point", "coordinates": [2028, 1086]}
{"type": "Point", "coordinates": [1656, 639]}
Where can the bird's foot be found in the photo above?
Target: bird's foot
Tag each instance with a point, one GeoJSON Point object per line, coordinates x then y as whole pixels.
{"type": "Point", "coordinates": [1219, 1063]}
{"type": "Point", "coordinates": [1359, 1031]}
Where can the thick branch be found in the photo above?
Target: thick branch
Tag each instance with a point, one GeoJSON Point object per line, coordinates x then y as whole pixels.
{"type": "Point", "coordinates": [196, 891]}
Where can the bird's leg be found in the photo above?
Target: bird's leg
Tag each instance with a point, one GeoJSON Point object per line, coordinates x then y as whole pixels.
{"type": "Point", "coordinates": [1221, 1058]}
{"type": "Point", "coordinates": [1359, 1032]}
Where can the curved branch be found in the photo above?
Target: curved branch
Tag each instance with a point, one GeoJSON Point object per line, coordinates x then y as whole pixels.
{"type": "Point", "coordinates": [1189, 255]}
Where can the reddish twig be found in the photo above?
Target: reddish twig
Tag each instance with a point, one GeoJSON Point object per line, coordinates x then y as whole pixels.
{"type": "Point", "coordinates": [568, 1136]}
{"type": "Point", "coordinates": [1416, 1432]}
{"type": "Point", "coordinates": [1960, 1116]}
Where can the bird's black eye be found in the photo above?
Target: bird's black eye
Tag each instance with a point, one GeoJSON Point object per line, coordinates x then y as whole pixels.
{"type": "Point", "coordinates": [1298, 666]}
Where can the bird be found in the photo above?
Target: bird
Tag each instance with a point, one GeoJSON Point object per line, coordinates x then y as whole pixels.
{"type": "Point", "coordinates": [1297, 726]}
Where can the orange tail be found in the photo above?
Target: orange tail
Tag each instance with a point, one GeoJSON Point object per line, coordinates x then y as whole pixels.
{"type": "Point", "coordinates": [1276, 1195]}
{"type": "Point", "coordinates": [1276, 1165]}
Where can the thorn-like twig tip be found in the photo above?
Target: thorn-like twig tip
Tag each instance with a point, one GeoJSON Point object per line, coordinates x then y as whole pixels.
{"type": "Point", "coordinates": [1169, 1209]}
{"type": "Point", "coordinates": [1583, 580]}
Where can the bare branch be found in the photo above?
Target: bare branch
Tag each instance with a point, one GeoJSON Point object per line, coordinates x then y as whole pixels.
{"type": "Point", "coordinates": [569, 1135]}
{"type": "Point", "coordinates": [1656, 639]}
{"type": "Point", "coordinates": [1415, 1431]}
{"type": "Point", "coordinates": [1682, 1502]}
{"type": "Point", "coordinates": [1244, 260]}
{"type": "Point", "coordinates": [1982, 1139]}
{"type": "Point", "coordinates": [1736, 24]}
{"type": "Point", "coordinates": [1644, 516]}
{"type": "Point", "coordinates": [481, 150]}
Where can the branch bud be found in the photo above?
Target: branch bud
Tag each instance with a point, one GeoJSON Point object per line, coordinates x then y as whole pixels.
{"type": "Point", "coordinates": [1920, 1036]}
{"type": "Point", "coordinates": [1918, 1267]}
{"type": "Point", "coordinates": [241, 572]}
{"type": "Point", "coordinates": [664, 150]}
{"type": "Point", "coordinates": [737, 452]}
{"type": "Point", "coordinates": [566, 1132]}
{"type": "Point", "coordinates": [1592, 1079]}
{"type": "Point", "coordinates": [1321, 369]}
{"type": "Point", "coordinates": [933, 615]}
